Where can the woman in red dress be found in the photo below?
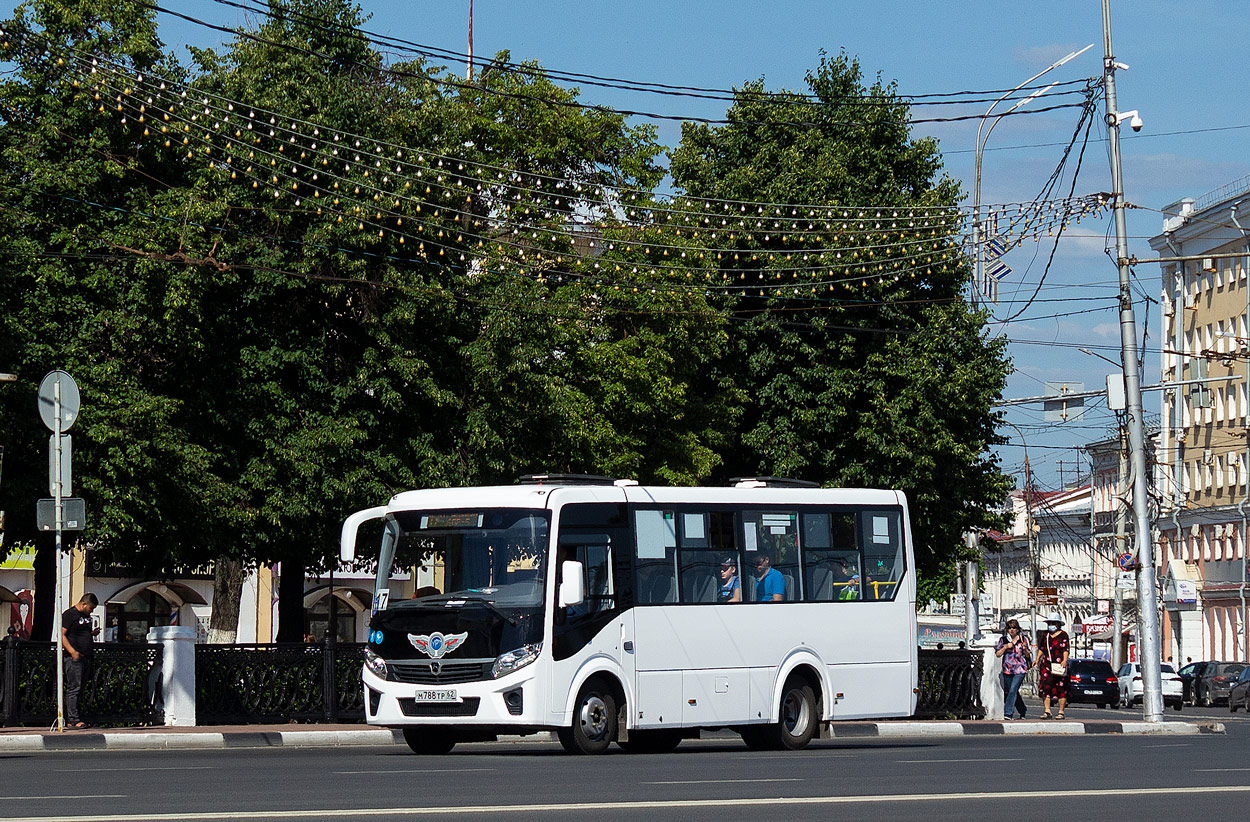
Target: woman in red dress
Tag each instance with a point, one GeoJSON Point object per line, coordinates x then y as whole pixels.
{"type": "Point", "coordinates": [1053, 665]}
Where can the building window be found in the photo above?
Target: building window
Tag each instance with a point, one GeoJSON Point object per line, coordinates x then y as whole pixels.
{"type": "Point", "coordinates": [145, 610]}
{"type": "Point", "coordinates": [317, 618]}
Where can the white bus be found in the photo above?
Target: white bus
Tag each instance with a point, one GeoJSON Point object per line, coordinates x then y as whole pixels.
{"type": "Point", "coordinates": [609, 611]}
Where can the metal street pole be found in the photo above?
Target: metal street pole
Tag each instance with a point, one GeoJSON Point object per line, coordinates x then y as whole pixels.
{"type": "Point", "coordinates": [978, 256]}
{"type": "Point", "coordinates": [1147, 616]}
{"type": "Point", "coordinates": [1121, 541]}
{"type": "Point", "coordinates": [56, 622]}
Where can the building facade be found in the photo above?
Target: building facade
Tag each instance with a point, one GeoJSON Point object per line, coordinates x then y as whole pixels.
{"type": "Point", "coordinates": [1203, 466]}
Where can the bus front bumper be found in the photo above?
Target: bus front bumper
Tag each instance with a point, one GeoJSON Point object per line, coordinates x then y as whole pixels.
{"type": "Point", "coordinates": [514, 700]}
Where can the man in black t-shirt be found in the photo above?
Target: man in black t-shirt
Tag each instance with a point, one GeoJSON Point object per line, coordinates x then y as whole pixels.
{"type": "Point", "coordinates": [77, 634]}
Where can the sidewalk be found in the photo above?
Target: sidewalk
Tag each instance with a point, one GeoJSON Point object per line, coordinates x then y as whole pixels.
{"type": "Point", "coordinates": [208, 737]}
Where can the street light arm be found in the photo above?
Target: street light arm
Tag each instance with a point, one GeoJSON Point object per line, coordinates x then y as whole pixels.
{"type": "Point", "coordinates": [983, 134]}
{"type": "Point", "coordinates": [981, 140]}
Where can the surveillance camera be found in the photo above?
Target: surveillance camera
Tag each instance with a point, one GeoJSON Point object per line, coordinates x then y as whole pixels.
{"type": "Point", "coordinates": [1134, 119]}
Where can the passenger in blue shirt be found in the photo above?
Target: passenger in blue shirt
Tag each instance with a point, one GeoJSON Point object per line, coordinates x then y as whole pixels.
{"type": "Point", "coordinates": [730, 587]}
{"type": "Point", "coordinates": [770, 585]}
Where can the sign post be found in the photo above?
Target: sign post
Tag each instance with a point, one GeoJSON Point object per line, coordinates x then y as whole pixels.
{"type": "Point", "coordinates": [58, 407]}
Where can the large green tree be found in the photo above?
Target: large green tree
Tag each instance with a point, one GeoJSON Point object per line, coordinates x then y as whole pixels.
{"type": "Point", "coordinates": [296, 280]}
{"type": "Point", "coordinates": [871, 369]}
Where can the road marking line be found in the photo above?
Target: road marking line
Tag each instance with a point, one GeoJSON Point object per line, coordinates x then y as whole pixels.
{"type": "Point", "coordinates": [85, 796]}
{"type": "Point", "coordinates": [928, 761]}
{"type": "Point", "coordinates": [720, 781]}
{"type": "Point", "coordinates": [583, 807]}
{"type": "Point", "coordinates": [420, 771]}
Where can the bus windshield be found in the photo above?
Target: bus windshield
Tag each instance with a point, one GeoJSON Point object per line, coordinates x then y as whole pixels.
{"type": "Point", "coordinates": [497, 555]}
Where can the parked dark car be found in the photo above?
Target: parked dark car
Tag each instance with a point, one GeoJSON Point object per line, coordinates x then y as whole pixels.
{"type": "Point", "coordinates": [1239, 696]}
{"type": "Point", "coordinates": [1093, 681]}
{"type": "Point", "coordinates": [1216, 681]}
{"type": "Point", "coordinates": [1188, 673]}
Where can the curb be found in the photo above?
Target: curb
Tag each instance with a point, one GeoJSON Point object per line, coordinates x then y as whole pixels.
{"type": "Point", "coordinates": [860, 730]}
{"type": "Point", "coordinates": [212, 740]}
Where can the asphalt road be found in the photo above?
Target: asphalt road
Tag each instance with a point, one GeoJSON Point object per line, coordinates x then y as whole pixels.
{"type": "Point", "coordinates": [1017, 778]}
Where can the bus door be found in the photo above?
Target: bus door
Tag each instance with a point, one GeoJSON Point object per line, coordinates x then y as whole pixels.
{"type": "Point", "coordinates": [689, 670]}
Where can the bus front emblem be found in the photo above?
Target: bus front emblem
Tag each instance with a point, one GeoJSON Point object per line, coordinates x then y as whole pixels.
{"type": "Point", "coordinates": [436, 644]}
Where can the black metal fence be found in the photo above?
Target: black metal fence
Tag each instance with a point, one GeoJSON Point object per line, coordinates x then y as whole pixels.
{"type": "Point", "coordinates": [309, 683]}
{"type": "Point", "coordinates": [279, 683]}
{"type": "Point", "coordinates": [950, 685]}
{"type": "Point", "coordinates": [122, 687]}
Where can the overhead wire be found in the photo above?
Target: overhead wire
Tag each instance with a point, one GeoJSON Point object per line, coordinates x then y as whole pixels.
{"type": "Point", "coordinates": [465, 85]}
{"type": "Point", "coordinates": [407, 46]}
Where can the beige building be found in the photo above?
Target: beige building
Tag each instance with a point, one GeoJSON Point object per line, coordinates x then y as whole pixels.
{"type": "Point", "coordinates": [1204, 454]}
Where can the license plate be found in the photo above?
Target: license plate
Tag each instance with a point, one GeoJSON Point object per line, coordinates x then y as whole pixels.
{"type": "Point", "coordinates": [1092, 692]}
{"type": "Point", "coordinates": [441, 695]}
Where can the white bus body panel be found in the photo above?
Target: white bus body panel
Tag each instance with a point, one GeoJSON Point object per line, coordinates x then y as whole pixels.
{"type": "Point", "coordinates": [697, 665]}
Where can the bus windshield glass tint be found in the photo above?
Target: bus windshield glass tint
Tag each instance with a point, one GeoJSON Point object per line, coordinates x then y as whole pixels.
{"type": "Point", "coordinates": [498, 554]}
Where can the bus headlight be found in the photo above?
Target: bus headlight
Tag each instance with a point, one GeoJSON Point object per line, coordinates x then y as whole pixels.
{"type": "Point", "coordinates": [515, 660]}
{"type": "Point", "coordinates": [375, 663]}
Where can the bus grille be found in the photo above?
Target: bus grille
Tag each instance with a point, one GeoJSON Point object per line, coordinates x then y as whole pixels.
{"type": "Point", "coordinates": [439, 673]}
{"type": "Point", "coordinates": [411, 707]}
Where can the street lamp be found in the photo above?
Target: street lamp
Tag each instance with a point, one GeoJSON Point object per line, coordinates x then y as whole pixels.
{"type": "Point", "coordinates": [980, 147]}
{"type": "Point", "coordinates": [8, 377]}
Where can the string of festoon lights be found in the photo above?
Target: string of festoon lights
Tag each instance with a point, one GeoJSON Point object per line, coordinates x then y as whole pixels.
{"type": "Point", "coordinates": [451, 210]}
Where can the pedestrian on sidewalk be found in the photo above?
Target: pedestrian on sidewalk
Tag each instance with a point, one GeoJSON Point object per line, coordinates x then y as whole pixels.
{"type": "Point", "coordinates": [1013, 647]}
{"type": "Point", "coordinates": [1052, 662]}
{"type": "Point", "coordinates": [77, 634]}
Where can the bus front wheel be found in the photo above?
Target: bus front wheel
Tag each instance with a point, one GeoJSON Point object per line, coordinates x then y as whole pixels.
{"type": "Point", "coordinates": [594, 722]}
{"type": "Point", "coordinates": [429, 741]}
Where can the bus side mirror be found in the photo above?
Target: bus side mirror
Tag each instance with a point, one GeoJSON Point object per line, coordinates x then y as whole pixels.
{"type": "Point", "coordinates": [347, 538]}
{"type": "Point", "coordinates": [572, 592]}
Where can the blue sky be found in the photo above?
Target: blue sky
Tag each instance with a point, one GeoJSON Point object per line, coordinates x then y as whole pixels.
{"type": "Point", "coordinates": [1187, 79]}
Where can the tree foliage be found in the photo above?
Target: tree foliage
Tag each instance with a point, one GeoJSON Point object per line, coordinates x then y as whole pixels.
{"type": "Point", "coordinates": [883, 377]}
{"type": "Point", "coordinates": [293, 279]}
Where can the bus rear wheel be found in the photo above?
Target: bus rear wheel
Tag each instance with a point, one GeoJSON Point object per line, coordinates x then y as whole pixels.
{"type": "Point", "coordinates": [651, 742]}
{"type": "Point", "coordinates": [429, 741]}
{"type": "Point", "coordinates": [796, 723]}
{"type": "Point", "coordinates": [594, 722]}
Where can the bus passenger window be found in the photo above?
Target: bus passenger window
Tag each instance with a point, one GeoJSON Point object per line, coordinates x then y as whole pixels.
{"type": "Point", "coordinates": [655, 536]}
{"type": "Point", "coordinates": [831, 559]}
{"type": "Point", "coordinates": [882, 538]}
{"type": "Point", "coordinates": [775, 535]}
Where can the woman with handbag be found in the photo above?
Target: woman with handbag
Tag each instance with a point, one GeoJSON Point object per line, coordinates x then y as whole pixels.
{"type": "Point", "coordinates": [1053, 665]}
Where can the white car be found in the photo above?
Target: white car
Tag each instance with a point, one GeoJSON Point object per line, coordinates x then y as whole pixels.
{"type": "Point", "coordinates": [1130, 685]}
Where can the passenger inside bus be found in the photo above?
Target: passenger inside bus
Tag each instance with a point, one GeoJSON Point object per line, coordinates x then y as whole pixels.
{"type": "Point", "coordinates": [730, 585]}
{"type": "Point", "coordinates": [770, 585]}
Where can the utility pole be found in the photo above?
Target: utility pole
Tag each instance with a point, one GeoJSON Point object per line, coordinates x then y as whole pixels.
{"type": "Point", "coordinates": [468, 71]}
{"type": "Point", "coordinates": [1030, 533]}
{"type": "Point", "coordinates": [1121, 540]}
{"type": "Point", "coordinates": [1147, 614]}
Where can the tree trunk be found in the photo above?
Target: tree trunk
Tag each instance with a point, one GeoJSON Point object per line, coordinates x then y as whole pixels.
{"type": "Point", "coordinates": [291, 602]}
{"type": "Point", "coordinates": [45, 589]}
{"type": "Point", "coordinates": [228, 576]}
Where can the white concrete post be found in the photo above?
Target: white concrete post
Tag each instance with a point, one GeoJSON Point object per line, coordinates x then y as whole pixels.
{"type": "Point", "coordinates": [992, 695]}
{"type": "Point", "coordinates": [177, 672]}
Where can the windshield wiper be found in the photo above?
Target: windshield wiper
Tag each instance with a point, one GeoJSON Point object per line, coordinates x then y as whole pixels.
{"type": "Point", "coordinates": [482, 599]}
